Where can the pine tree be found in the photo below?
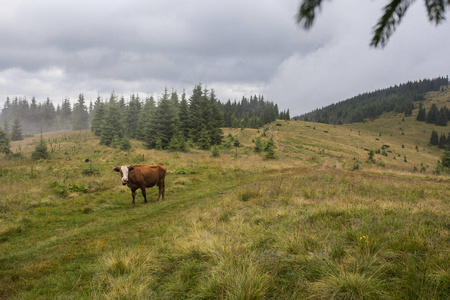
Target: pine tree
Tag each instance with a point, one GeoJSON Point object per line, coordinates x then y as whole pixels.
{"type": "Point", "coordinates": [40, 150]}
{"type": "Point", "coordinates": [448, 141]}
{"type": "Point", "coordinates": [131, 117]}
{"type": "Point", "coordinates": [80, 116]}
{"type": "Point", "coordinates": [434, 139]}
{"type": "Point", "coordinates": [34, 116]}
{"type": "Point", "coordinates": [216, 120]}
{"type": "Point", "coordinates": [112, 124]}
{"type": "Point", "coordinates": [16, 131]}
{"type": "Point", "coordinates": [65, 114]}
{"type": "Point", "coordinates": [205, 117]}
{"type": "Point", "coordinates": [177, 143]}
{"type": "Point", "coordinates": [445, 159]}
{"type": "Point", "coordinates": [98, 115]}
{"type": "Point", "coordinates": [204, 140]}
{"type": "Point", "coordinates": [164, 123]}
{"type": "Point", "coordinates": [183, 116]}
{"type": "Point", "coordinates": [146, 116]}
{"type": "Point", "coordinates": [442, 141]}
{"type": "Point", "coordinates": [441, 118]}
{"type": "Point", "coordinates": [196, 106]}
{"type": "Point", "coordinates": [421, 116]}
{"type": "Point", "coordinates": [270, 149]}
{"type": "Point", "coordinates": [258, 145]}
{"type": "Point", "coordinates": [4, 142]}
{"type": "Point", "coordinates": [48, 114]}
{"type": "Point", "coordinates": [432, 114]}
{"type": "Point", "coordinates": [6, 127]}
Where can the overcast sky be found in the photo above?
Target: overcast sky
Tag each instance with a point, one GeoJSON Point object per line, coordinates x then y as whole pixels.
{"type": "Point", "coordinates": [59, 49]}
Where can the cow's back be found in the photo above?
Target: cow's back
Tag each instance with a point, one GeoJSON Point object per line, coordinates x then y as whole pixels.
{"type": "Point", "coordinates": [147, 175]}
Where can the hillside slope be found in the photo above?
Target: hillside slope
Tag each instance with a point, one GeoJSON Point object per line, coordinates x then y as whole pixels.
{"type": "Point", "coordinates": [401, 98]}
{"type": "Point", "coordinates": [318, 222]}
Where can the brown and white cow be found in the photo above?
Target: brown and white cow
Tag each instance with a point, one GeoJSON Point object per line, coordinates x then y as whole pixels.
{"type": "Point", "coordinates": [143, 176]}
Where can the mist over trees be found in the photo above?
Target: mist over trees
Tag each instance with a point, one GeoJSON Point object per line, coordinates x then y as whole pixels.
{"type": "Point", "coordinates": [399, 98]}
{"type": "Point", "coordinates": [168, 122]}
{"type": "Point", "coordinates": [33, 117]}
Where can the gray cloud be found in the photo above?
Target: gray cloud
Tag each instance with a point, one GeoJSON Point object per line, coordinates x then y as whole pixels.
{"type": "Point", "coordinates": [59, 49]}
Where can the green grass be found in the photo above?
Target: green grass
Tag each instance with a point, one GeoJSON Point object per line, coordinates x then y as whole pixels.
{"type": "Point", "coordinates": [305, 225]}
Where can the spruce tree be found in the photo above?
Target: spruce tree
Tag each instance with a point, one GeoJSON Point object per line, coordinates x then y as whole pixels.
{"type": "Point", "coordinates": [178, 143]}
{"type": "Point", "coordinates": [40, 150]}
{"type": "Point", "coordinates": [48, 115]}
{"type": "Point", "coordinates": [258, 145]}
{"type": "Point", "coordinates": [434, 139]}
{"type": "Point", "coordinates": [112, 124]}
{"type": "Point", "coordinates": [183, 116]}
{"type": "Point", "coordinates": [432, 114]}
{"type": "Point", "coordinates": [65, 114]}
{"type": "Point", "coordinates": [16, 131]}
{"type": "Point", "coordinates": [80, 115]}
{"type": "Point", "coordinates": [196, 106]}
{"type": "Point", "coordinates": [441, 118]}
{"type": "Point", "coordinates": [442, 141]}
{"type": "Point", "coordinates": [204, 140]}
{"type": "Point", "coordinates": [270, 150]}
{"type": "Point", "coordinates": [4, 142]}
{"type": "Point", "coordinates": [34, 113]}
{"type": "Point", "coordinates": [132, 117]}
{"type": "Point", "coordinates": [215, 119]}
{"type": "Point", "coordinates": [448, 141]}
{"type": "Point", "coordinates": [445, 159]}
{"type": "Point", "coordinates": [6, 127]}
{"type": "Point", "coordinates": [98, 115]}
{"type": "Point", "coordinates": [164, 124]}
{"type": "Point", "coordinates": [146, 116]}
{"type": "Point", "coordinates": [421, 116]}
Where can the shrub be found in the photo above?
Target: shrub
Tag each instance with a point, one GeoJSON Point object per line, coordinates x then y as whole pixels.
{"type": "Point", "coordinates": [215, 151]}
{"type": "Point", "coordinates": [258, 145]}
{"type": "Point", "coordinates": [123, 143]}
{"type": "Point", "coordinates": [90, 170]}
{"type": "Point", "coordinates": [177, 143]}
{"type": "Point", "coordinates": [371, 158]}
{"type": "Point", "coordinates": [4, 142]}
{"type": "Point", "coordinates": [40, 151]}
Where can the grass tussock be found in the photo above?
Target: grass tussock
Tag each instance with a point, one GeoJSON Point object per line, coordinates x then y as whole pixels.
{"type": "Point", "coordinates": [124, 273]}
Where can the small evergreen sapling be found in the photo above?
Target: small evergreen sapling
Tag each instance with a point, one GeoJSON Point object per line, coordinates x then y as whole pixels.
{"type": "Point", "coordinates": [40, 151]}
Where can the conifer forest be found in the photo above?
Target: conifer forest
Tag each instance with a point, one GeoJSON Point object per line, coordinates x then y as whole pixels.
{"type": "Point", "coordinates": [167, 122]}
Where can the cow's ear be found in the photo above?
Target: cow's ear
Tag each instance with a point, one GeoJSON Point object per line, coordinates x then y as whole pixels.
{"type": "Point", "coordinates": [117, 169]}
{"type": "Point", "coordinates": [130, 168]}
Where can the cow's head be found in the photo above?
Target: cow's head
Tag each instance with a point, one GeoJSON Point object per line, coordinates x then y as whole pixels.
{"type": "Point", "coordinates": [124, 173]}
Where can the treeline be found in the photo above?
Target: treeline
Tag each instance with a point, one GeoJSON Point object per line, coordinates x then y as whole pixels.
{"type": "Point", "coordinates": [442, 141]}
{"type": "Point", "coordinates": [399, 98]}
{"type": "Point", "coordinates": [251, 113]}
{"type": "Point", "coordinates": [155, 121]}
{"type": "Point", "coordinates": [176, 123]}
{"type": "Point", "coordinates": [21, 116]}
{"type": "Point", "coordinates": [436, 116]}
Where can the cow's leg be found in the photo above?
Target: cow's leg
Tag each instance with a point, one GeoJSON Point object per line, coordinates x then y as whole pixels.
{"type": "Point", "coordinates": [133, 193]}
{"type": "Point", "coordinates": [144, 194]}
{"type": "Point", "coordinates": [160, 190]}
{"type": "Point", "coordinates": [163, 188]}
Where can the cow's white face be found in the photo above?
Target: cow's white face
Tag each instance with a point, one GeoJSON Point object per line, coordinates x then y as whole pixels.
{"type": "Point", "coordinates": [124, 173]}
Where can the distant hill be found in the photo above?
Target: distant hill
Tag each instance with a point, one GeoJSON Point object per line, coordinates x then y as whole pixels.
{"type": "Point", "coordinates": [368, 106]}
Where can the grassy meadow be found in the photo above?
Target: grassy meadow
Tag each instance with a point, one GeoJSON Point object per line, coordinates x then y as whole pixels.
{"type": "Point", "coordinates": [318, 222]}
